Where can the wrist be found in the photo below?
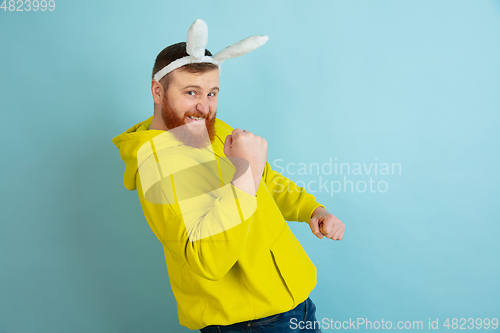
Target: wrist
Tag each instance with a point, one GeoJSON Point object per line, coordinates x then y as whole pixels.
{"type": "Point", "coordinates": [318, 209]}
{"type": "Point", "coordinates": [245, 182]}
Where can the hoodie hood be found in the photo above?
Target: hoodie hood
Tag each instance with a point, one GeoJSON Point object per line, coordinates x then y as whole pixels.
{"type": "Point", "coordinates": [130, 141]}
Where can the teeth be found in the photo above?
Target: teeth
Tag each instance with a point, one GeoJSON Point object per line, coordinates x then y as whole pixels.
{"type": "Point", "coordinates": [195, 118]}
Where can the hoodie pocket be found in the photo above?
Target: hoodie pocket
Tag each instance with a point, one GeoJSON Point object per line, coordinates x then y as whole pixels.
{"type": "Point", "coordinates": [296, 269]}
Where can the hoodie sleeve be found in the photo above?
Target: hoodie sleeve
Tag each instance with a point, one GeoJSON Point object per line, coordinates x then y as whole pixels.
{"type": "Point", "coordinates": [293, 201]}
{"type": "Point", "coordinates": [197, 213]}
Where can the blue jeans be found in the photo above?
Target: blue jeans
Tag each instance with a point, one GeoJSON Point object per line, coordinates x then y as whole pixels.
{"type": "Point", "coordinates": [300, 319]}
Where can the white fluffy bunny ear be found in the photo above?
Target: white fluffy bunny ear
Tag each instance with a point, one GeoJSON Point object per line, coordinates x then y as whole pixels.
{"type": "Point", "coordinates": [240, 48]}
{"type": "Point", "coordinates": [197, 39]}
{"type": "Point", "coordinates": [196, 42]}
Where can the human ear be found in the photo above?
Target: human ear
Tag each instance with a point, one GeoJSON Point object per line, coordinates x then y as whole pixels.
{"type": "Point", "coordinates": [156, 91]}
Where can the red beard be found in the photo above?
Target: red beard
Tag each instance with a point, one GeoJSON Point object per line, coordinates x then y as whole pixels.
{"type": "Point", "coordinates": [183, 133]}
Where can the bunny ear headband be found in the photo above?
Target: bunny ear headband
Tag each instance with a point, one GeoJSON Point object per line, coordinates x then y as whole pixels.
{"type": "Point", "coordinates": [195, 46]}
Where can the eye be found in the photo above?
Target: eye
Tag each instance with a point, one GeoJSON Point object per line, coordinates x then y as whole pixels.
{"type": "Point", "coordinates": [211, 94]}
{"type": "Point", "coordinates": [191, 93]}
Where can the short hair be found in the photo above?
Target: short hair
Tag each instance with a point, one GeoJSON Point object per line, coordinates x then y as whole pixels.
{"type": "Point", "coordinates": [174, 52]}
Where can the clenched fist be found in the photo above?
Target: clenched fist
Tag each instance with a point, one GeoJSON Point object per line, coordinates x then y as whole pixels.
{"type": "Point", "coordinates": [324, 224]}
{"type": "Point", "coordinates": [248, 153]}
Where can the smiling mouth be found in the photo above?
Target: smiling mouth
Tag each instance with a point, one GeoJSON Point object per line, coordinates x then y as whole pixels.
{"type": "Point", "coordinates": [195, 119]}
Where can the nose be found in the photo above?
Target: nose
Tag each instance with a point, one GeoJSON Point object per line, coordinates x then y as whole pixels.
{"type": "Point", "coordinates": [202, 105]}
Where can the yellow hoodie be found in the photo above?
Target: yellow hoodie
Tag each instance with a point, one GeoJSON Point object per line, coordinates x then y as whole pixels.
{"type": "Point", "coordinates": [230, 256]}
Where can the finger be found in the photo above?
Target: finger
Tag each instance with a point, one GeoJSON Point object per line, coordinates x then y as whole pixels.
{"type": "Point", "coordinates": [335, 230]}
{"type": "Point", "coordinates": [236, 131]}
{"type": "Point", "coordinates": [227, 144]}
{"type": "Point", "coordinates": [337, 234]}
{"type": "Point", "coordinates": [313, 224]}
{"type": "Point", "coordinates": [327, 227]}
{"type": "Point", "coordinates": [341, 235]}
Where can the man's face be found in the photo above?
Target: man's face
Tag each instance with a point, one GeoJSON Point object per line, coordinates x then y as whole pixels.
{"type": "Point", "coordinates": [191, 100]}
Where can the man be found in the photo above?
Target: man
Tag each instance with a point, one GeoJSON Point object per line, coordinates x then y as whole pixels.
{"type": "Point", "coordinates": [217, 207]}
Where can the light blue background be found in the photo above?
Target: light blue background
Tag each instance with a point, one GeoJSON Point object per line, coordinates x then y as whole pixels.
{"type": "Point", "coordinates": [409, 82]}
